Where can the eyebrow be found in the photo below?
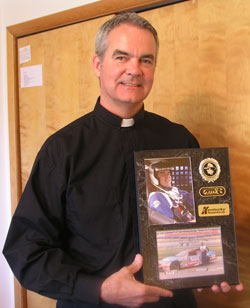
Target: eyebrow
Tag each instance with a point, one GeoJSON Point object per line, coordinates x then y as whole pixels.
{"type": "Point", "coordinates": [120, 52]}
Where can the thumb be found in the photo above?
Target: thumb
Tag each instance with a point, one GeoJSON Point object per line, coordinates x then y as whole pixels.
{"type": "Point", "coordinates": [136, 265]}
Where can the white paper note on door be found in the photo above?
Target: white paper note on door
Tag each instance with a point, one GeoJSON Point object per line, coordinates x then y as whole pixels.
{"type": "Point", "coordinates": [24, 54]}
{"type": "Point", "coordinates": [31, 76]}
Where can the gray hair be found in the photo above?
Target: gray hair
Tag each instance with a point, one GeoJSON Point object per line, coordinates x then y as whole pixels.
{"type": "Point", "coordinates": [101, 43]}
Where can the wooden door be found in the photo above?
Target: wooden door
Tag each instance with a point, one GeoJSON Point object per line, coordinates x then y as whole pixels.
{"type": "Point", "coordinates": [69, 90]}
{"type": "Point", "coordinates": [202, 81]}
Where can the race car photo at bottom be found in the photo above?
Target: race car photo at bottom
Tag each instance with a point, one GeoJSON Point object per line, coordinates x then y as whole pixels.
{"type": "Point", "coordinates": [189, 253]}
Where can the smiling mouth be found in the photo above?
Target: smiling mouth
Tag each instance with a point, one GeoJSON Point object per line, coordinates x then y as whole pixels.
{"type": "Point", "coordinates": [131, 84]}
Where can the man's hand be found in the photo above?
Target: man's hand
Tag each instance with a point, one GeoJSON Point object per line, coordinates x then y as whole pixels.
{"type": "Point", "coordinates": [121, 288]}
{"type": "Point", "coordinates": [224, 287]}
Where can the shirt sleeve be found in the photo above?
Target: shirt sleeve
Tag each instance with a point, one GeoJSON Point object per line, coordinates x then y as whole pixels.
{"type": "Point", "coordinates": [193, 142]}
{"type": "Point", "coordinates": [159, 203]}
{"type": "Point", "coordinates": [187, 198]}
{"type": "Point", "coordinates": [36, 244]}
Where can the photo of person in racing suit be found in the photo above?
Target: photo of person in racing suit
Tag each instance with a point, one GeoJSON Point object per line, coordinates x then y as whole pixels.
{"type": "Point", "coordinates": [170, 201]}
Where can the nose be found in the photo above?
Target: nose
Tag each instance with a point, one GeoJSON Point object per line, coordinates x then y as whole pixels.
{"type": "Point", "coordinates": [133, 67]}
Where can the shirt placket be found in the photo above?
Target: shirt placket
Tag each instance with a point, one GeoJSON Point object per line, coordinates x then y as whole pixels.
{"type": "Point", "coordinates": [128, 145]}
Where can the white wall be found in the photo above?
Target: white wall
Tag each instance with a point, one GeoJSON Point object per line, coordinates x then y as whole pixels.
{"type": "Point", "coordinates": [13, 12]}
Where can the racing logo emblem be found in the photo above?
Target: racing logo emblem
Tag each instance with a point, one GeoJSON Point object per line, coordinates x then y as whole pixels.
{"type": "Point", "coordinates": [213, 191]}
{"type": "Point", "coordinates": [209, 169]}
{"type": "Point", "coordinates": [207, 210]}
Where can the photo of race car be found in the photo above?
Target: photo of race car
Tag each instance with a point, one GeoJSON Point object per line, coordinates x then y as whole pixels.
{"type": "Point", "coordinates": [186, 259]}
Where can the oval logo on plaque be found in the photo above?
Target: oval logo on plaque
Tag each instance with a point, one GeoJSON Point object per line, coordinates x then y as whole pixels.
{"type": "Point", "coordinates": [209, 169]}
{"type": "Point", "coordinates": [213, 191]}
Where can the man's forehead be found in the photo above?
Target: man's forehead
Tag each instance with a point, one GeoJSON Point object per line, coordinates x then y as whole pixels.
{"type": "Point", "coordinates": [129, 32]}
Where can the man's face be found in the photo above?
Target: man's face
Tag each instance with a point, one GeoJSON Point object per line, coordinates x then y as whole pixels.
{"type": "Point", "coordinates": [165, 178]}
{"type": "Point", "coordinates": [126, 71]}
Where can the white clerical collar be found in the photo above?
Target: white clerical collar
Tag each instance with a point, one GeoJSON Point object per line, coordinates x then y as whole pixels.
{"type": "Point", "coordinates": [127, 122]}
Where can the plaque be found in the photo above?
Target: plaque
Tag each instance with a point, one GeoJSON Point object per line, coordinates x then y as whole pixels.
{"type": "Point", "coordinates": [186, 217]}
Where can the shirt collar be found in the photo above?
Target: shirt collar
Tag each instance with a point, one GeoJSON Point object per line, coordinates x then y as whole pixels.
{"type": "Point", "coordinates": [127, 122]}
{"type": "Point", "coordinates": [115, 120]}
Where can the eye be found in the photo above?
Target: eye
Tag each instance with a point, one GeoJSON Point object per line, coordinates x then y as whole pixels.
{"type": "Point", "coordinates": [147, 61]}
{"type": "Point", "coordinates": [120, 58]}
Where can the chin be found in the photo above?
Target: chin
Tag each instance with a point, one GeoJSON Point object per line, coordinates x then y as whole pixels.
{"type": "Point", "coordinates": [135, 99]}
{"type": "Point", "coordinates": [131, 101]}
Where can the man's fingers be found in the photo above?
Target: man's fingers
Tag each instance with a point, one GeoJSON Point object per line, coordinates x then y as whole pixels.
{"type": "Point", "coordinates": [239, 287]}
{"type": "Point", "coordinates": [136, 265]}
{"type": "Point", "coordinates": [158, 292]}
{"type": "Point", "coordinates": [122, 288]}
{"type": "Point", "coordinates": [151, 291]}
{"type": "Point", "coordinates": [215, 288]}
{"type": "Point", "coordinates": [225, 287]}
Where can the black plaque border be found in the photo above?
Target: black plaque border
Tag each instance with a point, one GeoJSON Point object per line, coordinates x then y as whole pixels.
{"type": "Point", "coordinates": [147, 231]}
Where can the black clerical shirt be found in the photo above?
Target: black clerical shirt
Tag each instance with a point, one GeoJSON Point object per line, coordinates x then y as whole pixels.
{"type": "Point", "coordinates": [76, 222]}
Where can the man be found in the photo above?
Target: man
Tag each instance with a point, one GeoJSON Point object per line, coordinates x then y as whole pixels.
{"type": "Point", "coordinates": [168, 200]}
{"type": "Point", "coordinates": [204, 257]}
{"type": "Point", "coordinates": [74, 234]}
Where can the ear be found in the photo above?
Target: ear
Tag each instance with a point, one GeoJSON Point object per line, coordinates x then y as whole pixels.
{"type": "Point", "coordinates": [96, 65]}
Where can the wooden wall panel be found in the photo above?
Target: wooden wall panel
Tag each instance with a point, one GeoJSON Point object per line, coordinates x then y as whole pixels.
{"type": "Point", "coordinates": [202, 81]}
{"type": "Point", "coordinates": [69, 90]}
